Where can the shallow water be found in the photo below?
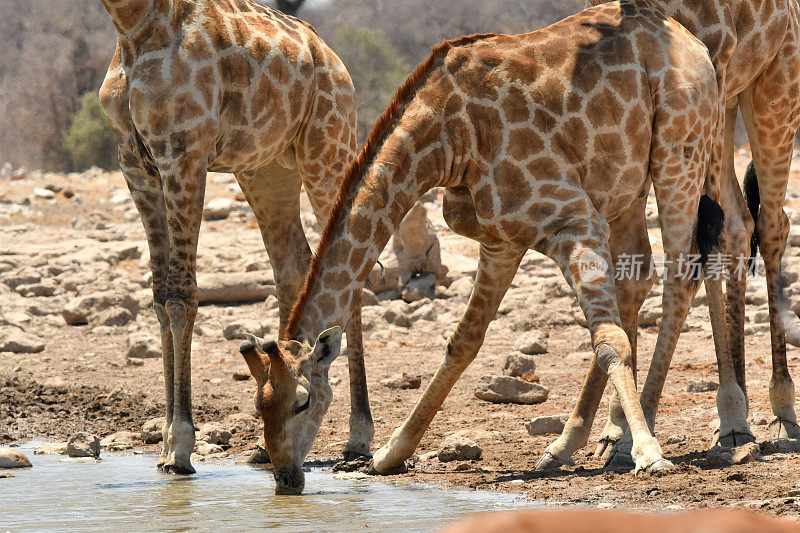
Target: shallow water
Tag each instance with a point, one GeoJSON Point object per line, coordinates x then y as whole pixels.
{"type": "Point", "coordinates": [125, 492]}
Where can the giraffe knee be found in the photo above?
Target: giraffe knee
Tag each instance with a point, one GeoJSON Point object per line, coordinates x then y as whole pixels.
{"type": "Point", "coordinates": [611, 348]}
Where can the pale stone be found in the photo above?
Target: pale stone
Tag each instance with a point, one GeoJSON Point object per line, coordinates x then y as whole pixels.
{"type": "Point", "coordinates": [11, 458]}
{"type": "Point", "coordinates": [546, 425]}
{"type": "Point", "coordinates": [83, 445]}
{"type": "Point", "coordinates": [151, 430]}
{"type": "Point", "coordinates": [507, 389]}
{"type": "Point", "coordinates": [459, 448]}
{"type": "Point", "coordinates": [213, 433]}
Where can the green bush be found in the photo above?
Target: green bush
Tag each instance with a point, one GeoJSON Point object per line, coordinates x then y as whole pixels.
{"type": "Point", "coordinates": [376, 69]}
{"type": "Point", "coordinates": [89, 139]}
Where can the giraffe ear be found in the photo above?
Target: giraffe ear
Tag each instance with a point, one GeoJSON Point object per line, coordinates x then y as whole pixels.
{"type": "Point", "coordinates": [328, 346]}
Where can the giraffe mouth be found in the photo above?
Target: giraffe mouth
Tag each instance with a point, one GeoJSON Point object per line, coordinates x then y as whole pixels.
{"type": "Point", "coordinates": [289, 481]}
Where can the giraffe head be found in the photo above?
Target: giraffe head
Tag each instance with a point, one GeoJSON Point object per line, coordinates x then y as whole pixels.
{"type": "Point", "coordinates": [292, 396]}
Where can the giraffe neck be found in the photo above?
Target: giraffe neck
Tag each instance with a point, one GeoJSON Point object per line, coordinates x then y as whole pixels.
{"type": "Point", "coordinates": [386, 189]}
{"type": "Point", "coordinates": [132, 18]}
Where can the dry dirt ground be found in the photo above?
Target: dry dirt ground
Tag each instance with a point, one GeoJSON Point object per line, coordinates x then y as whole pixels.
{"type": "Point", "coordinates": [53, 251]}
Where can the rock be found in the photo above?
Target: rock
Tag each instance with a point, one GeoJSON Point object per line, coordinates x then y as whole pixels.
{"type": "Point", "coordinates": [143, 345]}
{"type": "Point", "coordinates": [459, 448]}
{"type": "Point", "coordinates": [235, 287]}
{"type": "Point", "coordinates": [650, 313]}
{"type": "Point", "coordinates": [416, 245]}
{"type": "Point", "coordinates": [746, 453]}
{"type": "Point", "coordinates": [6, 172]}
{"type": "Point", "coordinates": [116, 316]}
{"type": "Point", "coordinates": [508, 389]}
{"type": "Point", "coordinates": [519, 364]}
{"type": "Point", "coordinates": [121, 440]}
{"type": "Point", "coordinates": [701, 385]}
{"type": "Point", "coordinates": [238, 329]}
{"type": "Point", "coordinates": [396, 314]}
{"type": "Point", "coordinates": [218, 209]}
{"type": "Point", "coordinates": [419, 287]}
{"type": "Point", "coordinates": [51, 448]}
{"type": "Point", "coordinates": [11, 458]}
{"type": "Point", "coordinates": [402, 381]}
{"type": "Point", "coordinates": [241, 423]}
{"type": "Point", "coordinates": [241, 376]}
{"type": "Point", "coordinates": [761, 317]}
{"type": "Point", "coordinates": [427, 312]}
{"type": "Point", "coordinates": [44, 194]}
{"type": "Point", "coordinates": [83, 445]}
{"type": "Point", "coordinates": [15, 340]}
{"type": "Point", "coordinates": [206, 448]}
{"type": "Point", "coordinates": [151, 430]}
{"type": "Point", "coordinates": [46, 287]}
{"type": "Point", "coordinates": [79, 310]}
{"type": "Point", "coordinates": [368, 298]}
{"type": "Point", "coordinates": [260, 455]}
{"type": "Point", "coordinates": [460, 288]}
{"type": "Point", "coordinates": [214, 433]}
{"type": "Point", "coordinates": [546, 425]}
{"type": "Point", "coordinates": [6, 475]}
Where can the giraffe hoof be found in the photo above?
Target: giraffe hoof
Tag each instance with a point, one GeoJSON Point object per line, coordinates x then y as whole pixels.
{"type": "Point", "coordinates": [732, 439]}
{"type": "Point", "coordinates": [661, 465]}
{"type": "Point", "coordinates": [550, 461]}
{"type": "Point", "coordinates": [780, 428]}
{"type": "Point", "coordinates": [619, 460]}
{"type": "Point", "coordinates": [604, 447]}
{"type": "Point", "coordinates": [402, 468]}
{"type": "Point", "coordinates": [178, 465]}
{"type": "Point", "coordinates": [355, 455]}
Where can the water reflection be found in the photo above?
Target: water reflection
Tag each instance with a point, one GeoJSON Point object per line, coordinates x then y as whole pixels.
{"type": "Point", "coordinates": [127, 493]}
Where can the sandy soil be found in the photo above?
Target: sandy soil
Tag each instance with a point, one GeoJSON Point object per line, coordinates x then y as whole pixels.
{"type": "Point", "coordinates": [83, 379]}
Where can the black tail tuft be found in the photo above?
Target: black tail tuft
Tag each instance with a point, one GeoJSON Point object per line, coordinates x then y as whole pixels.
{"type": "Point", "coordinates": [710, 220]}
{"type": "Point", "coordinates": [753, 197]}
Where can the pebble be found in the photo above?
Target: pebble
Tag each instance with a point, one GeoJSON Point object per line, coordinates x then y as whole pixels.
{"type": "Point", "coordinates": [143, 345]}
{"type": "Point", "coordinates": [218, 209]}
{"type": "Point", "coordinates": [237, 330]}
{"type": "Point", "coordinates": [213, 433]}
{"type": "Point", "coordinates": [45, 194]}
{"type": "Point", "coordinates": [546, 425]}
{"type": "Point", "coordinates": [532, 343]}
{"type": "Point", "coordinates": [10, 458]}
{"type": "Point", "coordinates": [519, 364]}
{"type": "Point", "coordinates": [508, 389]}
{"type": "Point", "coordinates": [701, 385]}
{"type": "Point", "coordinates": [51, 448]}
{"type": "Point", "coordinates": [402, 381]}
{"type": "Point", "coordinates": [16, 341]}
{"type": "Point", "coordinates": [459, 448]}
{"type": "Point", "coordinates": [151, 430]}
{"type": "Point", "coordinates": [241, 376]}
{"type": "Point", "coordinates": [746, 453]}
{"type": "Point", "coordinates": [121, 440]}
{"type": "Point", "coordinates": [83, 445]}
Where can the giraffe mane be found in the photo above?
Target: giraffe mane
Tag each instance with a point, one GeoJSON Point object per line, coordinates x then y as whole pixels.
{"type": "Point", "coordinates": [374, 140]}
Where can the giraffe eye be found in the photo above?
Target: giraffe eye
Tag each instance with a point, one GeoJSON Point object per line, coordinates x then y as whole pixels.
{"type": "Point", "coordinates": [300, 408]}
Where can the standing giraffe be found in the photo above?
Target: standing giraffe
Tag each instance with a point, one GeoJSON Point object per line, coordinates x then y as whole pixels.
{"type": "Point", "coordinates": [227, 86]}
{"type": "Point", "coordinates": [539, 140]}
{"type": "Point", "coordinates": [755, 48]}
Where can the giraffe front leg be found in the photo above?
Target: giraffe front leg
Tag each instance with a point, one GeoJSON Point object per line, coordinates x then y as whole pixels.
{"type": "Point", "coordinates": [362, 428]}
{"type": "Point", "coordinates": [634, 277]}
{"type": "Point", "coordinates": [184, 188]}
{"type": "Point", "coordinates": [145, 186]}
{"type": "Point", "coordinates": [496, 268]}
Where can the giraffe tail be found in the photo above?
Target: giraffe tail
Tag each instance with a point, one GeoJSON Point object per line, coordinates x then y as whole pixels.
{"type": "Point", "coordinates": [753, 197]}
{"type": "Point", "coordinates": [710, 220]}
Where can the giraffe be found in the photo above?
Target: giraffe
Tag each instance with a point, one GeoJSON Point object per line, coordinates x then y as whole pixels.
{"type": "Point", "coordinates": [227, 86]}
{"type": "Point", "coordinates": [540, 140]}
{"type": "Point", "coordinates": [755, 48]}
